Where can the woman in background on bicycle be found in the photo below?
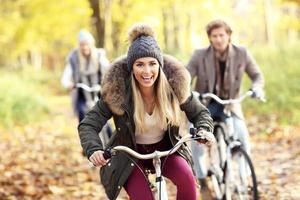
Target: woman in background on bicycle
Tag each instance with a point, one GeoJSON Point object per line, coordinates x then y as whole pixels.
{"type": "Point", "coordinates": [145, 93]}
{"type": "Point", "coordinates": [85, 64]}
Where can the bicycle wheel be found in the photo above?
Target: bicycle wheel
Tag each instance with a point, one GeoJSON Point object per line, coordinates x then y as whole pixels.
{"type": "Point", "coordinates": [217, 162]}
{"type": "Point", "coordinates": [221, 144]}
{"type": "Point", "coordinates": [240, 178]}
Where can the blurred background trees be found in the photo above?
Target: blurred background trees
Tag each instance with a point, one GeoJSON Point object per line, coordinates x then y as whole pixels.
{"type": "Point", "coordinates": [40, 150]}
{"type": "Point", "coordinates": [38, 34]}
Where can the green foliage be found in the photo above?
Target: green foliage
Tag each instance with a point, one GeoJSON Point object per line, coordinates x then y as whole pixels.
{"type": "Point", "coordinates": [35, 30]}
{"type": "Point", "coordinates": [40, 25]}
{"type": "Point", "coordinates": [23, 98]}
{"type": "Point", "coordinates": [280, 66]}
{"type": "Point", "coordinates": [50, 28]}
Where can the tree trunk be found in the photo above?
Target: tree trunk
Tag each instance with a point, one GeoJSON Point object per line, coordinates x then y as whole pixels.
{"type": "Point", "coordinates": [187, 32]}
{"type": "Point", "coordinates": [35, 59]}
{"type": "Point", "coordinates": [117, 27]}
{"type": "Point", "coordinates": [108, 29]}
{"type": "Point", "coordinates": [175, 28]}
{"type": "Point", "coordinates": [267, 22]}
{"type": "Point", "coordinates": [23, 60]}
{"type": "Point", "coordinates": [116, 35]}
{"type": "Point", "coordinates": [167, 40]}
{"type": "Point", "coordinates": [98, 21]}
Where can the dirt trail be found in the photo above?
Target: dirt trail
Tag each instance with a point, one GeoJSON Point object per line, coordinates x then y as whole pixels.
{"type": "Point", "coordinates": [44, 161]}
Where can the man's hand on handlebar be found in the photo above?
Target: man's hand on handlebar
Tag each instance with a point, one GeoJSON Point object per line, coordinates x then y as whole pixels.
{"type": "Point", "coordinates": [258, 93]}
{"type": "Point", "coordinates": [71, 87]}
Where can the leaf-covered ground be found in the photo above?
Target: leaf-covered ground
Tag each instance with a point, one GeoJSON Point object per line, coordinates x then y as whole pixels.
{"type": "Point", "coordinates": [44, 161]}
{"type": "Point", "coordinates": [277, 162]}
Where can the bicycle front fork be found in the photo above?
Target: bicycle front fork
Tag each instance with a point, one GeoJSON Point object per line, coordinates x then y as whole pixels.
{"type": "Point", "coordinates": [160, 181]}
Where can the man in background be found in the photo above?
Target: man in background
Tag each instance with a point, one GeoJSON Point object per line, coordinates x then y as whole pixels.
{"type": "Point", "coordinates": [219, 69]}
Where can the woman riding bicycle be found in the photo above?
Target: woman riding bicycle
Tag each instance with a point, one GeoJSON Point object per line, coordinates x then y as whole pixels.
{"type": "Point", "coordinates": [145, 93]}
{"type": "Point", "coordinates": [86, 65]}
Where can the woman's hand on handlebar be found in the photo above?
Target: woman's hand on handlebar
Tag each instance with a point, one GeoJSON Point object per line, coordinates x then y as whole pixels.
{"type": "Point", "coordinates": [70, 87]}
{"type": "Point", "coordinates": [207, 138]}
{"type": "Point", "coordinates": [97, 159]}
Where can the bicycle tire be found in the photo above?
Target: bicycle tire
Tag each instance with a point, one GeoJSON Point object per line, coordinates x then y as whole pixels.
{"type": "Point", "coordinates": [221, 141]}
{"type": "Point", "coordinates": [237, 189]}
{"type": "Point", "coordinates": [217, 162]}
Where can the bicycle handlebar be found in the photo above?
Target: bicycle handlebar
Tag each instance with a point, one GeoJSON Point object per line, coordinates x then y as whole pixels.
{"type": "Point", "coordinates": [110, 152]}
{"type": "Point", "coordinates": [95, 88]}
{"type": "Point", "coordinates": [227, 101]}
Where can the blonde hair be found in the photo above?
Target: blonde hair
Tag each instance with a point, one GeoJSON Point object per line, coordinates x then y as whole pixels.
{"type": "Point", "coordinates": [166, 109]}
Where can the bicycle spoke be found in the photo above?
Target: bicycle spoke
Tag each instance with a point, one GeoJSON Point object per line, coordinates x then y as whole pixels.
{"type": "Point", "coordinates": [240, 180]}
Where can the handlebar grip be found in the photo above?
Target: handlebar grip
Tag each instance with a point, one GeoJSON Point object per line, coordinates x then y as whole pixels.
{"type": "Point", "coordinates": [201, 97]}
{"type": "Point", "coordinates": [198, 138]}
{"type": "Point", "coordinates": [107, 154]}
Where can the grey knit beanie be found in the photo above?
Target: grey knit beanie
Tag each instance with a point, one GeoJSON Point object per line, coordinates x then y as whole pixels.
{"type": "Point", "coordinates": [84, 35]}
{"type": "Point", "coordinates": [143, 44]}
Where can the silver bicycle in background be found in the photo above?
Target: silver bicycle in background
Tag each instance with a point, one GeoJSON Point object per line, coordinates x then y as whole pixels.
{"type": "Point", "coordinates": [230, 167]}
{"type": "Point", "coordinates": [95, 91]}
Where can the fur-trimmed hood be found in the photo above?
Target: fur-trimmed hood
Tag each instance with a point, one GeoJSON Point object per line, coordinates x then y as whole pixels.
{"type": "Point", "coordinates": [116, 81]}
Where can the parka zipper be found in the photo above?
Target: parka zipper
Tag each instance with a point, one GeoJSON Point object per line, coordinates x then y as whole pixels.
{"type": "Point", "coordinates": [170, 136]}
{"type": "Point", "coordinates": [186, 157]}
{"type": "Point", "coordinates": [130, 125]}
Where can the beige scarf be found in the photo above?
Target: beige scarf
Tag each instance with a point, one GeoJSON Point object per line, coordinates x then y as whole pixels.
{"type": "Point", "coordinates": [89, 69]}
{"type": "Point", "coordinates": [89, 66]}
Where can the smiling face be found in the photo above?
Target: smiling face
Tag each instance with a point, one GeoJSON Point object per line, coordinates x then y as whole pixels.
{"type": "Point", "coordinates": [146, 71]}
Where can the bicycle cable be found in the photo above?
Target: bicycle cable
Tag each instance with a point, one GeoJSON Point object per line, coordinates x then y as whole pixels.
{"type": "Point", "coordinates": [166, 157]}
{"type": "Point", "coordinates": [137, 165]}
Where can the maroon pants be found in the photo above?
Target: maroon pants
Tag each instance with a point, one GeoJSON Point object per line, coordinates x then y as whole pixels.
{"type": "Point", "coordinates": [175, 168]}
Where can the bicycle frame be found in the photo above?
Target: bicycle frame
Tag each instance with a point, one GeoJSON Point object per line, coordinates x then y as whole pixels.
{"type": "Point", "coordinates": [89, 104]}
{"type": "Point", "coordinates": [95, 88]}
{"type": "Point", "coordinates": [231, 133]}
{"type": "Point", "coordinates": [156, 155]}
{"type": "Point", "coordinates": [231, 141]}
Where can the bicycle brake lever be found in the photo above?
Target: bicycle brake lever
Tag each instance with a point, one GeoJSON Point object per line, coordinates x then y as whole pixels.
{"type": "Point", "coordinates": [107, 154]}
{"type": "Point", "coordinates": [193, 132]}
